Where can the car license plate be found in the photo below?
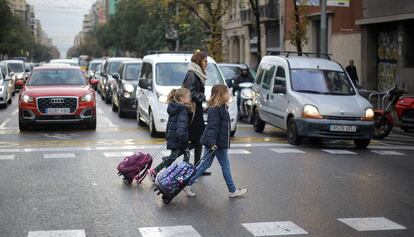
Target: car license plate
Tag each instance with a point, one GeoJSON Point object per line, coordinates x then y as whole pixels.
{"type": "Point", "coordinates": [57, 111]}
{"type": "Point", "coordinates": [342, 128]}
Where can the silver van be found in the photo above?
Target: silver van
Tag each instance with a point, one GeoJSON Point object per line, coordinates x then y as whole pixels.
{"type": "Point", "coordinates": [310, 97]}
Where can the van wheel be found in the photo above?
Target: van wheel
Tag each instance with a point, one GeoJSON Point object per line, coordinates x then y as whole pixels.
{"type": "Point", "coordinates": [139, 121]}
{"type": "Point", "coordinates": [258, 124]}
{"type": "Point", "coordinates": [292, 133]}
{"type": "Point", "coordinates": [232, 133]}
{"type": "Point", "coordinates": [152, 130]}
{"type": "Point", "coordinates": [121, 113]}
{"type": "Point", "coordinates": [114, 107]}
{"type": "Point", "coordinates": [362, 143]}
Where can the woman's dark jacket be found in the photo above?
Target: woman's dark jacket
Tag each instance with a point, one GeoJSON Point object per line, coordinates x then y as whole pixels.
{"type": "Point", "coordinates": [196, 87]}
{"type": "Point", "coordinates": [177, 126]}
{"type": "Point", "coordinates": [217, 131]}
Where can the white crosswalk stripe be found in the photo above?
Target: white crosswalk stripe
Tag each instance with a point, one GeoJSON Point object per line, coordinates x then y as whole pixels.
{"type": "Point", "coordinates": [7, 157]}
{"type": "Point", "coordinates": [287, 151]}
{"type": "Point", "coordinates": [239, 152]}
{"type": "Point", "coordinates": [57, 233]}
{"type": "Point", "coordinates": [389, 153]}
{"type": "Point", "coordinates": [118, 154]}
{"type": "Point", "coordinates": [371, 224]}
{"type": "Point", "coordinates": [274, 228]}
{"type": "Point", "coordinates": [169, 231]}
{"type": "Point", "coordinates": [339, 152]}
{"type": "Point", "coordinates": [59, 156]}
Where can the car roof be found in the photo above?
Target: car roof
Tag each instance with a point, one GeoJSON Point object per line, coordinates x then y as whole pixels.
{"type": "Point", "coordinates": [304, 62]}
{"type": "Point", "coordinates": [56, 66]}
{"type": "Point", "coordinates": [132, 61]}
{"type": "Point", "coordinates": [171, 58]}
{"type": "Point", "coordinates": [120, 59]}
{"type": "Point", "coordinates": [14, 61]}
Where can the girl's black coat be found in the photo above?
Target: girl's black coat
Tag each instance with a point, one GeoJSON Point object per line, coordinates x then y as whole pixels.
{"type": "Point", "coordinates": [217, 131]}
{"type": "Point", "coordinates": [177, 126]}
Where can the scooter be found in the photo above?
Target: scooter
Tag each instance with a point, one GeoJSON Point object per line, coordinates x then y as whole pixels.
{"type": "Point", "coordinates": [404, 106]}
{"type": "Point", "coordinates": [247, 95]}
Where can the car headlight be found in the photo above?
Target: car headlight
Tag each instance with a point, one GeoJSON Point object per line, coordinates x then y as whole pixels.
{"type": "Point", "coordinates": [27, 99]}
{"type": "Point", "coordinates": [87, 98]}
{"type": "Point", "coordinates": [369, 114]}
{"type": "Point", "coordinates": [127, 95]}
{"type": "Point", "coordinates": [163, 99]}
{"type": "Point", "coordinates": [310, 111]}
{"type": "Point", "coordinates": [19, 76]}
{"type": "Point", "coordinates": [247, 93]}
{"type": "Point", "coordinates": [129, 88]}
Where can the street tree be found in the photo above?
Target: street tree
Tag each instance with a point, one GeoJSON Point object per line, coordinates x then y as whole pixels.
{"type": "Point", "coordinates": [298, 35]}
{"type": "Point", "coordinates": [254, 4]}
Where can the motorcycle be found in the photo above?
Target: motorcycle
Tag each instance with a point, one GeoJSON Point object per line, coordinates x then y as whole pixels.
{"type": "Point", "coordinates": [246, 97]}
{"type": "Point", "coordinates": [403, 106]}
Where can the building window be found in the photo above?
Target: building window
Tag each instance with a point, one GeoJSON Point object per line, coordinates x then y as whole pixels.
{"type": "Point", "coordinates": [409, 46]}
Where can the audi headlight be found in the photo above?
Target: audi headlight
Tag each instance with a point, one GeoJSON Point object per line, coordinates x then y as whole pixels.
{"type": "Point", "coordinates": [163, 99]}
{"type": "Point", "coordinates": [27, 99]}
{"type": "Point", "coordinates": [369, 114]}
{"type": "Point", "coordinates": [129, 88]}
{"type": "Point", "coordinates": [310, 111]}
{"type": "Point", "coordinates": [87, 98]}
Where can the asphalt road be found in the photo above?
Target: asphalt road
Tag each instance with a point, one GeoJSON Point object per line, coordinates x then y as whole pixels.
{"type": "Point", "coordinates": [58, 181]}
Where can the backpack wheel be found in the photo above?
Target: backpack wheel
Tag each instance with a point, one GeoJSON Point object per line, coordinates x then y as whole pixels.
{"type": "Point", "coordinates": [128, 181]}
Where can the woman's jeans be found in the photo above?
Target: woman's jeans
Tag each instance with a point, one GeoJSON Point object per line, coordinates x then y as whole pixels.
{"type": "Point", "coordinates": [223, 159]}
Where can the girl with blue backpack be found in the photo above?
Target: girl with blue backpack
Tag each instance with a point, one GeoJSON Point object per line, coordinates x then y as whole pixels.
{"type": "Point", "coordinates": [177, 129]}
{"type": "Point", "coordinates": [216, 139]}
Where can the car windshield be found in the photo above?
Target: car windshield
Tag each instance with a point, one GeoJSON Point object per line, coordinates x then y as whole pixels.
{"type": "Point", "coordinates": [132, 71]}
{"type": "Point", "coordinates": [15, 67]}
{"type": "Point", "coordinates": [230, 72]}
{"type": "Point", "coordinates": [93, 66]}
{"type": "Point", "coordinates": [114, 67]}
{"type": "Point", "coordinates": [173, 74]}
{"type": "Point", "coordinates": [321, 82]}
{"type": "Point", "coordinates": [46, 77]}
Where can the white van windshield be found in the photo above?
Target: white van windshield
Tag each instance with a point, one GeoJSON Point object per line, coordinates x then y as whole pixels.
{"type": "Point", "coordinates": [321, 82]}
{"type": "Point", "coordinates": [173, 74]}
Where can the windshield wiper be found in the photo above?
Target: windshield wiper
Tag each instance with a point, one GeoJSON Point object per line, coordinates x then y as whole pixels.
{"type": "Point", "coordinates": [310, 91]}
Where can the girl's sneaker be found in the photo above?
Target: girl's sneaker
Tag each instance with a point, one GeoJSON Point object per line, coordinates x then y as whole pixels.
{"type": "Point", "coordinates": [189, 192]}
{"type": "Point", "coordinates": [152, 175]}
{"type": "Point", "coordinates": [239, 192]}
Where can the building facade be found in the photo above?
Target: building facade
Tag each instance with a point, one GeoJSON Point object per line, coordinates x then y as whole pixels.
{"type": "Point", "coordinates": [387, 44]}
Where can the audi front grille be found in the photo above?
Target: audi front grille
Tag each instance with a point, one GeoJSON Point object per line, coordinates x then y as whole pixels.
{"type": "Point", "coordinates": [57, 102]}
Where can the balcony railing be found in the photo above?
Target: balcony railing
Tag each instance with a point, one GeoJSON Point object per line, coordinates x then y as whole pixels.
{"type": "Point", "coordinates": [268, 12]}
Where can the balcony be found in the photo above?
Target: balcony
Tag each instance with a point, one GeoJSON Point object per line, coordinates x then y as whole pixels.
{"type": "Point", "coordinates": [268, 12]}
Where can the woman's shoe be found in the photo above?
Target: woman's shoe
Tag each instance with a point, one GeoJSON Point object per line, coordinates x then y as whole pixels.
{"type": "Point", "coordinates": [189, 192]}
{"type": "Point", "coordinates": [239, 192]}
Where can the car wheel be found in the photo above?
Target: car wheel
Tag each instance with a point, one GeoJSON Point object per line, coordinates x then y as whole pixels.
{"type": "Point", "coordinates": [107, 99]}
{"type": "Point", "coordinates": [3, 106]}
{"type": "Point", "coordinates": [362, 143]}
{"type": "Point", "coordinates": [9, 101]}
{"type": "Point", "coordinates": [114, 107]}
{"type": "Point", "coordinates": [232, 133]}
{"type": "Point", "coordinates": [140, 123]}
{"type": "Point", "coordinates": [23, 126]}
{"type": "Point", "coordinates": [152, 130]}
{"type": "Point", "coordinates": [258, 124]}
{"type": "Point", "coordinates": [121, 113]}
{"type": "Point", "coordinates": [13, 93]}
{"type": "Point", "coordinates": [292, 133]}
{"type": "Point", "coordinates": [91, 125]}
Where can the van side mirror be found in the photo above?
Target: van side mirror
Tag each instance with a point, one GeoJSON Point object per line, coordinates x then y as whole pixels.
{"type": "Point", "coordinates": [230, 82]}
{"type": "Point", "coordinates": [278, 89]}
{"type": "Point", "coordinates": [143, 83]}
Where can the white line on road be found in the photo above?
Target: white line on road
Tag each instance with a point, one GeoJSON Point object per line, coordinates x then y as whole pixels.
{"type": "Point", "coordinates": [15, 112]}
{"type": "Point", "coordinates": [57, 233]}
{"type": "Point", "coordinates": [339, 152]}
{"type": "Point", "coordinates": [287, 151]}
{"type": "Point", "coordinates": [371, 224]}
{"type": "Point", "coordinates": [389, 153]}
{"type": "Point", "coordinates": [99, 111]}
{"type": "Point", "coordinates": [239, 152]}
{"type": "Point", "coordinates": [274, 228]}
{"type": "Point", "coordinates": [4, 123]}
{"type": "Point", "coordinates": [59, 156]}
{"type": "Point", "coordinates": [118, 154]}
{"type": "Point", "coordinates": [169, 231]}
{"type": "Point", "coordinates": [7, 157]}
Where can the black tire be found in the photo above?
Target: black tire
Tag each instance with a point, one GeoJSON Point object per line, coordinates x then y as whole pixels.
{"type": "Point", "coordinates": [107, 99]}
{"type": "Point", "coordinates": [362, 143]}
{"type": "Point", "coordinates": [3, 106]}
{"type": "Point", "coordinates": [152, 130]}
{"type": "Point", "coordinates": [292, 132]}
{"type": "Point", "coordinates": [91, 125]}
{"type": "Point", "coordinates": [114, 107]}
{"type": "Point", "coordinates": [13, 93]}
{"type": "Point", "coordinates": [233, 133]}
{"type": "Point", "coordinates": [121, 113]}
{"type": "Point", "coordinates": [383, 127]}
{"type": "Point", "coordinates": [139, 121]}
{"type": "Point", "coordinates": [9, 101]}
{"type": "Point", "coordinates": [23, 126]}
{"type": "Point", "coordinates": [258, 124]}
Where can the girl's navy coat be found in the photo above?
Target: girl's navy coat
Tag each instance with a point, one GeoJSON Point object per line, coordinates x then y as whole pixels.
{"type": "Point", "coordinates": [177, 126]}
{"type": "Point", "coordinates": [217, 131]}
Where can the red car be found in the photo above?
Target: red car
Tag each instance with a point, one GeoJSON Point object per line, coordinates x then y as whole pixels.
{"type": "Point", "coordinates": [57, 94]}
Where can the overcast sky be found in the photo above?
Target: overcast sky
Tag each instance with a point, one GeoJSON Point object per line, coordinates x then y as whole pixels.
{"type": "Point", "coordinates": [61, 19]}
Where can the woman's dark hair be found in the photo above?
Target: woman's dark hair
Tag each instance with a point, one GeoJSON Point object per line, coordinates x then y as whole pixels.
{"type": "Point", "coordinates": [198, 57]}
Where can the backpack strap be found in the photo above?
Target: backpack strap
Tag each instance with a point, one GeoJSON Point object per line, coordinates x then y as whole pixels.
{"type": "Point", "coordinates": [141, 176]}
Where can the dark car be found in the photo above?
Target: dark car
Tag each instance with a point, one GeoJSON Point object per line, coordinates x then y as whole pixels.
{"type": "Point", "coordinates": [125, 86]}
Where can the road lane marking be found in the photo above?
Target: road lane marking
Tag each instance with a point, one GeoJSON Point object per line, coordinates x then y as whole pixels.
{"type": "Point", "coordinates": [389, 153]}
{"type": "Point", "coordinates": [169, 231]}
{"type": "Point", "coordinates": [371, 224]}
{"type": "Point", "coordinates": [118, 154]}
{"type": "Point", "coordinates": [59, 156]}
{"type": "Point", "coordinates": [238, 152]}
{"type": "Point", "coordinates": [99, 111]}
{"type": "Point", "coordinates": [4, 123]}
{"type": "Point", "coordinates": [339, 152]}
{"type": "Point", "coordinates": [57, 233]}
{"type": "Point", "coordinates": [7, 157]}
{"type": "Point", "coordinates": [15, 112]}
{"type": "Point", "coordinates": [274, 228]}
{"type": "Point", "coordinates": [287, 151]}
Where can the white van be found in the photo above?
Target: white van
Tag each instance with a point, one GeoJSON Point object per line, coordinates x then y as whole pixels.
{"type": "Point", "coordinates": [160, 73]}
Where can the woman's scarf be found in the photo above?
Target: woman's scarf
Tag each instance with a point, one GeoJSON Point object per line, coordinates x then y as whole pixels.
{"type": "Point", "coordinates": [194, 67]}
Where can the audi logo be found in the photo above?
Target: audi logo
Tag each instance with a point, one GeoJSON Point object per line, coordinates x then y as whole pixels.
{"type": "Point", "coordinates": [57, 100]}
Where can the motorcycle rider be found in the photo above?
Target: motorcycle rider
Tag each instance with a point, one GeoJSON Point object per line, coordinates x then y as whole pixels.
{"type": "Point", "coordinates": [243, 77]}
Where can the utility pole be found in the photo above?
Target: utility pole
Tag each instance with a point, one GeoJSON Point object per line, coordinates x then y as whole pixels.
{"type": "Point", "coordinates": [324, 31]}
